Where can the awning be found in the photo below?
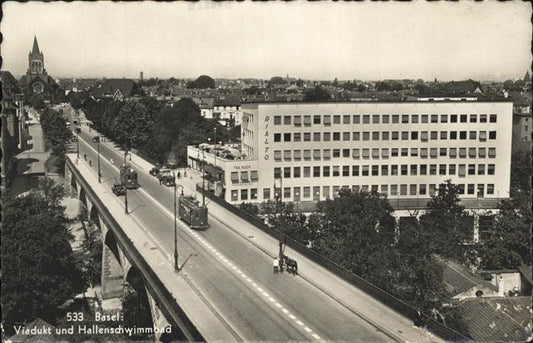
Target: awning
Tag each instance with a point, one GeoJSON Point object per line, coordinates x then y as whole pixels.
{"type": "Point", "coordinates": [424, 152]}
{"type": "Point", "coordinates": [307, 120]}
{"type": "Point", "coordinates": [277, 155]}
{"type": "Point", "coordinates": [327, 154]}
{"type": "Point", "coordinates": [244, 176]}
{"type": "Point", "coordinates": [453, 152]}
{"type": "Point", "coordinates": [307, 154]}
{"type": "Point", "coordinates": [462, 171]}
{"type": "Point", "coordinates": [287, 154]}
{"type": "Point", "coordinates": [213, 171]}
{"type": "Point", "coordinates": [375, 153]}
{"type": "Point", "coordinates": [462, 152]}
{"type": "Point", "coordinates": [234, 177]}
{"type": "Point", "coordinates": [356, 153]}
{"type": "Point", "coordinates": [492, 152]}
{"type": "Point", "coordinates": [327, 119]}
{"type": "Point", "coordinates": [482, 135]}
{"type": "Point", "coordinates": [433, 152]}
{"type": "Point", "coordinates": [297, 154]}
{"type": "Point", "coordinates": [385, 152]}
{"type": "Point", "coordinates": [253, 175]}
{"type": "Point", "coordinates": [424, 135]}
{"type": "Point", "coordinates": [316, 154]}
{"type": "Point", "coordinates": [482, 152]}
{"type": "Point", "coordinates": [297, 120]}
{"type": "Point", "coordinates": [472, 152]}
{"type": "Point", "coordinates": [366, 153]}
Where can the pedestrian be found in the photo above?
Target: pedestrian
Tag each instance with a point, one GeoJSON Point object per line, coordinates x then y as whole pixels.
{"type": "Point", "coordinates": [281, 264]}
{"type": "Point", "coordinates": [184, 173]}
{"type": "Point", "coordinates": [179, 175]}
{"type": "Point", "coordinates": [276, 265]}
{"type": "Point", "coordinates": [159, 180]}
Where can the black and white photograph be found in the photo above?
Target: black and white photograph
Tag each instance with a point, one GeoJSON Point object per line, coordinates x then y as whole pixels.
{"type": "Point", "coordinates": [266, 171]}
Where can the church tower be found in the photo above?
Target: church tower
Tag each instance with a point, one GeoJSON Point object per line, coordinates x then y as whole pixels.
{"type": "Point", "coordinates": [37, 80]}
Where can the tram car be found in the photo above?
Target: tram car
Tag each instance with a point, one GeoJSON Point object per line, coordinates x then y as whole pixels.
{"type": "Point", "coordinates": [192, 213]}
{"type": "Point", "coordinates": [128, 177]}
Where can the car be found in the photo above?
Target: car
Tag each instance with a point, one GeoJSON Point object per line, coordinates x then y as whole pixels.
{"type": "Point", "coordinates": [96, 139]}
{"type": "Point", "coordinates": [154, 171]}
{"type": "Point", "coordinates": [118, 189]}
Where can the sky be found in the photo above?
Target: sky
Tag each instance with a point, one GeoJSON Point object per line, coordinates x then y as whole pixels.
{"type": "Point", "coordinates": [309, 40]}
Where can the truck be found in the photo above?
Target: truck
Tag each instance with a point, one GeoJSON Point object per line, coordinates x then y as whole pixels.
{"type": "Point", "coordinates": [128, 177]}
{"type": "Point", "coordinates": [166, 177]}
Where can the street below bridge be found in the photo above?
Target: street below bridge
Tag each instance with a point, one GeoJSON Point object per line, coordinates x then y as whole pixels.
{"type": "Point", "coordinates": [234, 275]}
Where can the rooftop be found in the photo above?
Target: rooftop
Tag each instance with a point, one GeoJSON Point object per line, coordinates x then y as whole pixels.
{"type": "Point", "coordinates": [498, 319]}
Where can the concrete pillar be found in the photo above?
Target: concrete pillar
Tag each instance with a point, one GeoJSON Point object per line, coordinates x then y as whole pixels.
{"type": "Point", "coordinates": [160, 322]}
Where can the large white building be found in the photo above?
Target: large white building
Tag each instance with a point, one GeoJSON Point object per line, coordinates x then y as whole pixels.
{"type": "Point", "coordinates": [402, 149]}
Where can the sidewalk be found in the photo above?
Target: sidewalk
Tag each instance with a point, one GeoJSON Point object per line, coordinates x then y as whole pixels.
{"type": "Point", "coordinates": [370, 309]}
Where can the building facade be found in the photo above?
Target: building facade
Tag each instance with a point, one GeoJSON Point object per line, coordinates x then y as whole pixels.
{"type": "Point", "coordinates": [309, 151]}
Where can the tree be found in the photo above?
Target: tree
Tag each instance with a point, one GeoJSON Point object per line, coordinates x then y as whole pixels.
{"type": "Point", "coordinates": [133, 124]}
{"type": "Point", "coordinates": [276, 80]}
{"type": "Point", "coordinates": [202, 82]}
{"type": "Point", "coordinates": [317, 94]}
{"type": "Point", "coordinates": [249, 208]}
{"type": "Point", "coordinates": [508, 242]}
{"type": "Point", "coordinates": [57, 134]}
{"type": "Point", "coordinates": [39, 272]}
{"type": "Point", "coordinates": [444, 221]}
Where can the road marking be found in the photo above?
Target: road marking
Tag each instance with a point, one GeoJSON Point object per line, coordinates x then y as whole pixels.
{"type": "Point", "coordinates": [223, 258]}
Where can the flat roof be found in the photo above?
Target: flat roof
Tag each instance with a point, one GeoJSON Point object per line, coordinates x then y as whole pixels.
{"type": "Point", "coordinates": [295, 103]}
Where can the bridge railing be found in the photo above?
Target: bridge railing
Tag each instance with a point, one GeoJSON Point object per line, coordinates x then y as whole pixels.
{"type": "Point", "coordinates": [372, 290]}
{"type": "Point", "coordinates": [170, 309]}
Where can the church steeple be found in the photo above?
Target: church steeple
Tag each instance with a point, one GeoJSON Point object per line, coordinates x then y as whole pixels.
{"type": "Point", "coordinates": [35, 49]}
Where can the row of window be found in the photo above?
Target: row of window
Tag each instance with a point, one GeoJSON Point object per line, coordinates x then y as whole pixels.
{"type": "Point", "coordinates": [385, 170]}
{"type": "Point", "coordinates": [424, 136]}
{"type": "Point", "coordinates": [299, 193]}
{"type": "Point", "coordinates": [374, 153]}
{"type": "Point", "coordinates": [245, 177]}
{"type": "Point", "coordinates": [383, 119]}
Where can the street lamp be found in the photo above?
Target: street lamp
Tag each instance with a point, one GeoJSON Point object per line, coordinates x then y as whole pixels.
{"type": "Point", "coordinates": [77, 143]}
{"type": "Point", "coordinates": [98, 148]}
{"type": "Point", "coordinates": [176, 265]}
{"type": "Point", "coordinates": [125, 167]}
{"type": "Point", "coordinates": [203, 178]}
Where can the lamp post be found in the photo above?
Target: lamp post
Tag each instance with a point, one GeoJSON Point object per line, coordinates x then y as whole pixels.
{"type": "Point", "coordinates": [176, 265]}
{"type": "Point", "coordinates": [98, 149]}
{"type": "Point", "coordinates": [125, 167]}
{"type": "Point", "coordinates": [203, 178]}
{"type": "Point", "coordinates": [77, 143]}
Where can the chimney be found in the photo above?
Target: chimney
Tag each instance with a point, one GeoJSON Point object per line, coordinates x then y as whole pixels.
{"type": "Point", "coordinates": [141, 76]}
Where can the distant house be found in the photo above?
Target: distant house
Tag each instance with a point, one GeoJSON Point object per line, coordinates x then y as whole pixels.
{"type": "Point", "coordinates": [458, 88]}
{"type": "Point", "coordinates": [206, 106]}
{"type": "Point", "coordinates": [463, 284]}
{"type": "Point", "coordinates": [228, 111]}
{"type": "Point", "coordinates": [119, 89]}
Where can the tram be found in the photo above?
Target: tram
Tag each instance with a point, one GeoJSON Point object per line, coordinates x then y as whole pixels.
{"type": "Point", "coordinates": [128, 177]}
{"type": "Point", "coordinates": [192, 213]}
